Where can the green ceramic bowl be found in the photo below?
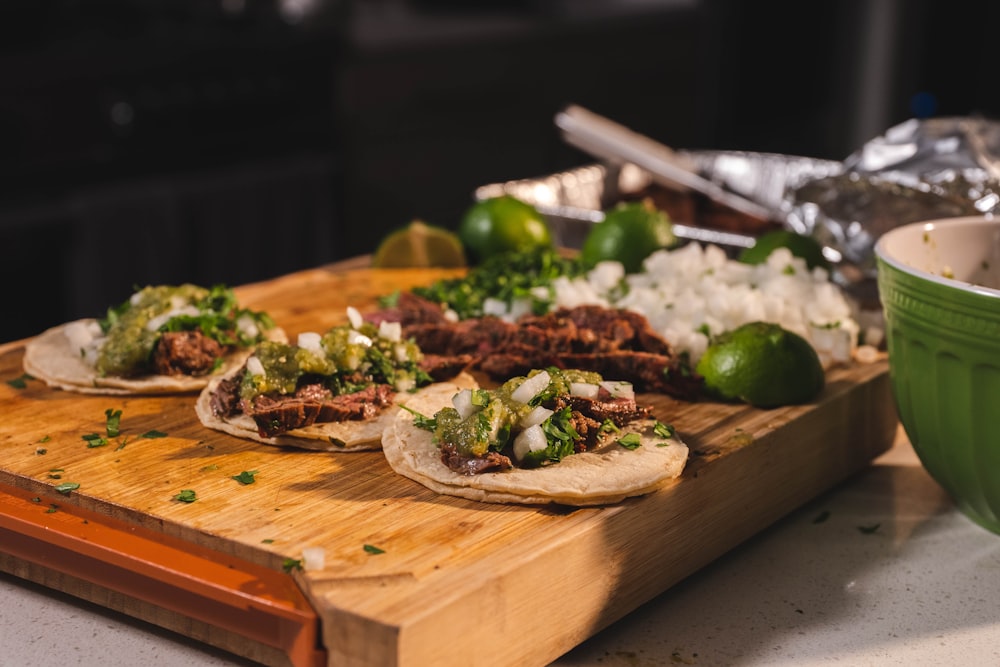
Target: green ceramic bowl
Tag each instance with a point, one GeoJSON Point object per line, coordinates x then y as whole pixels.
{"type": "Point", "coordinates": [939, 282]}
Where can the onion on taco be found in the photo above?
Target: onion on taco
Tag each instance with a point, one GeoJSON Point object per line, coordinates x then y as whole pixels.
{"type": "Point", "coordinates": [334, 391]}
{"type": "Point", "coordinates": [163, 339]}
{"type": "Point", "coordinates": [553, 436]}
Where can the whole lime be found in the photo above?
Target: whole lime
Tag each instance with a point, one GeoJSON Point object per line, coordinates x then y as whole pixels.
{"type": "Point", "coordinates": [800, 245]}
{"type": "Point", "coordinates": [762, 364]}
{"type": "Point", "coordinates": [629, 233]}
{"type": "Point", "coordinates": [502, 224]}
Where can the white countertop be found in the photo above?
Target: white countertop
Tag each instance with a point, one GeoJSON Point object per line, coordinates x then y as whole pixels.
{"type": "Point", "coordinates": [882, 570]}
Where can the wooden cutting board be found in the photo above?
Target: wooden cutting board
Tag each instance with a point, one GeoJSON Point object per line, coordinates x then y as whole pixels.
{"type": "Point", "coordinates": [410, 578]}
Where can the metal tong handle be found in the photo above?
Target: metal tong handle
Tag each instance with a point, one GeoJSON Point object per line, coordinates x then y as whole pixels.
{"type": "Point", "coordinates": [606, 139]}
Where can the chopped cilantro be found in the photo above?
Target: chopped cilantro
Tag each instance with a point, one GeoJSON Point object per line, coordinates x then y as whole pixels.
{"type": "Point", "coordinates": [66, 487]}
{"type": "Point", "coordinates": [389, 300]}
{"type": "Point", "coordinates": [291, 564]}
{"type": "Point", "coordinates": [44, 438]}
{"type": "Point", "coordinates": [372, 549]}
{"type": "Point", "coordinates": [421, 421]}
{"type": "Point", "coordinates": [664, 430]}
{"type": "Point", "coordinates": [114, 418]}
{"type": "Point", "coordinates": [630, 441]}
{"type": "Point", "coordinates": [245, 477]}
{"type": "Point", "coordinates": [20, 382]}
{"type": "Point", "coordinates": [608, 426]}
{"type": "Point", "coordinates": [267, 541]}
{"type": "Point", "coordinates": [186, 496]}
{"type": "Point", "coordinates": [95, 440]}
{"type": "Point", "coordinates": [506, 277]}
{"type": "Point", "coordinates": [153, 434]}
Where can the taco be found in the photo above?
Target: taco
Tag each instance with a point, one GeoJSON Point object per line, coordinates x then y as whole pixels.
{"type": "Point", "coordinates": [553, 436]}
{"type": "Point", "coordinates": [164, 339]}
{"type": "Point", "coordinates": [331, 392]}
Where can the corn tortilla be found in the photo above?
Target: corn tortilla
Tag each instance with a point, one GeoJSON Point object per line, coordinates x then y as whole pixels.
{"type": "Point", "coordinates": [51, 358]}
{"type": "Point", "coordinates": [345, 436]}
{"type": "Point", "coordinates": [604, 476]}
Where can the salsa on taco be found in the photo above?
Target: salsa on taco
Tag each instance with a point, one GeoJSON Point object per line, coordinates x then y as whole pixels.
{"type": "Point", "coordinates": [331, 391]}
{"type": "Point", "coordinates": [162, 339]}
{"type": "Point", "coordinates": [552, 436]}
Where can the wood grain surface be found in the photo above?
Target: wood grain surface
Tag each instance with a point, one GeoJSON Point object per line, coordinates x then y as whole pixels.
{"type": "Point", "coordinates": [457, 582]}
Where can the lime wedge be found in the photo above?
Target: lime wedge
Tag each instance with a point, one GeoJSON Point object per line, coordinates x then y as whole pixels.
{"type": "Point", "coordinates": [419, 245]}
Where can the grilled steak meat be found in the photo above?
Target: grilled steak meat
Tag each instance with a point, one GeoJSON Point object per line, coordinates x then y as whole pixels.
{"type": "Point", "coordinates": [186, 353]}
{"type": "Point", "coordinates": [617, 343]}
{"type": "Point", "coordinates": [315, 403]}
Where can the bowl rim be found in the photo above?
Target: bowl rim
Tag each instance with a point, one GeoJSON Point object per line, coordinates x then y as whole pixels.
{"type": "Point", "coordinates": [926, 225]}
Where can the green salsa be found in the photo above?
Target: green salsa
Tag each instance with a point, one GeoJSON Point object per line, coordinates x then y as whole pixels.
{"type": "Point", "coordinates": [492, 427]}
{"type": "Point", "coordinates": [345, 361]}
{"type": "Point", "coordinates": [133, 328]}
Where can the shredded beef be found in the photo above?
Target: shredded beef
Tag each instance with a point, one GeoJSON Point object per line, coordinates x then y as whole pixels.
{"type": "Point", "coordinates": [473, 465]}
{"type": "Point", "coordinates": [186, 353]}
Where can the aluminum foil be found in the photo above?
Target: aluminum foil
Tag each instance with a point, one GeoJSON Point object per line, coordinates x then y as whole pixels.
{"type": "Point", "coordinates": [917, 170]}
{"type": "Point", "coordinates": [574, 200]}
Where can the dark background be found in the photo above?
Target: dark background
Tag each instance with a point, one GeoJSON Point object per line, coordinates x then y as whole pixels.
{"type": "Point", "coordinates": [164, 141]}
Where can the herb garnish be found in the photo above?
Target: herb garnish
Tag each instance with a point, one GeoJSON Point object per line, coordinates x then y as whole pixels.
{"type": "Point", "coordinates": [186, 496]}
{"type": "Point", "coordinates": [21, 382]}
{"type": "Point", "coordinates": [114, 422]}
{"type": "Point", "coordinates": [372, 549]}
{"type": "Point", "coordinates": [66, 487]}
{"type": "Point", "coordinates": [630, 441]}
{"type": "Point", "coordinates": [245, 477]}
{"type": "Point", "coordinates": [506, 277]}
{"type": "Point", "coordinates": [664, 430]}
{"type": "Point", "coordinates": [422, 421]}
{"type": "Point", "coordinates": [291, 564]}
{"type": "Point", "coordinates": [95, 440]}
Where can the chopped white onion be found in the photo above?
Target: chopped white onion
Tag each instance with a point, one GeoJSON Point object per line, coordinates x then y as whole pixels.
{"type": "Point", "coordinates": [310, 340]}
{"type": "Point", "coordinates": [584, 389]}
{"type": "Point", "coordinates": [618, 388]}
{"type": "Point", "coordinates": [254, 366]}
{"type": "Point", "coordinates": [355, 317]}
{"type": "Point", "coordinates": [246, 325]}
{"type": "Point", "coordinates": [537, 415]}
{"type": "Point", "coordinates": [391, 331]}
{"type": "Point", "coordinates": [81, 333]}
{"type": "Point", "coordinates": [313, 558]}
{"type": "Point", "coordinates": [531, 387]}
{"type": "Point", "coordinates": [463, 403]}
{"type": "Point", "coordinates": [358, 338]}
{"type": "Point", "coordinates": [494, 306]}
{"type": "Point", "coordinates": [531, 439]}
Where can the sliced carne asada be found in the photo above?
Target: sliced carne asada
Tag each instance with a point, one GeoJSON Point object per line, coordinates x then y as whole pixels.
{"type": "Point", "coordinates": [618, 342]}
{"type": "Point", "coordinates": [314, 403]}
{"type": "Point", "coordinates": [473, 465]}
